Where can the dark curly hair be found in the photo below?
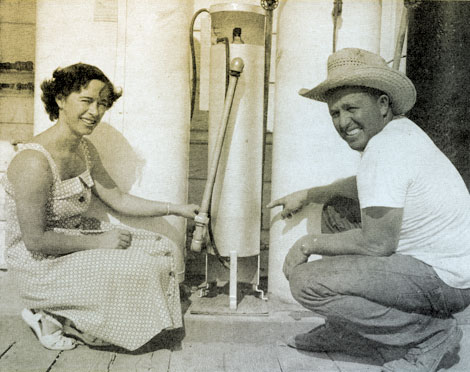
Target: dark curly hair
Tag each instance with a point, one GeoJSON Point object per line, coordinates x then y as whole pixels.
{"type": "Point", "coordinates": [72, 79]}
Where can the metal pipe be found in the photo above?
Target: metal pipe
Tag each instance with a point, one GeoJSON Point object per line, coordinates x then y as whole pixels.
{"type": "Point", "coordinates": [193, 59]}
{"type": "Point", "coordinates": [337, 10]}
{"type": "Point", "coordinates": [202, 219]}
{"type": "Point", "coordinates": [400, 38]}
{"type": "Point", "coordinates": [267, 69]}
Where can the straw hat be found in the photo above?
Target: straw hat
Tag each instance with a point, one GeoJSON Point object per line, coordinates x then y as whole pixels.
{"type": "Point", "coordinates": [358, 67]}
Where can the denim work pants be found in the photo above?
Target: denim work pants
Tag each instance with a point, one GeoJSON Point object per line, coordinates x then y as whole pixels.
{"type": "Point", "coordinates": [396, 300]}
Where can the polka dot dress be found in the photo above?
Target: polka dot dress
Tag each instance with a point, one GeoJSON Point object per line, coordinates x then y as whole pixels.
{"type": "Point", "coordinates": [124, 297]}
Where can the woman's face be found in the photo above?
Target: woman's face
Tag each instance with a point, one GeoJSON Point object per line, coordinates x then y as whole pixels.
{"type": "Point", "coordinates": [82, 111]}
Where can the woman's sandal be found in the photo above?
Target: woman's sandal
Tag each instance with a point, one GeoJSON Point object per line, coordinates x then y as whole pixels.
{"type": "Point", "coordinates": [53, 341]}
{"type": "Point", "coordinates": [87, 339]}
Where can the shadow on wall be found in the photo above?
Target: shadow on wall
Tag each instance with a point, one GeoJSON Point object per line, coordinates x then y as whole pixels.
{"type": "Point", "coordinates": [309, 217]}
{"type": "Point", "coordinates": [125, 167]}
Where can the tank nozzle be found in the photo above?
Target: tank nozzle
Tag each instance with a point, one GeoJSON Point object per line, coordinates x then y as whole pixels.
{"type": "Point", "coordinates": [202, 221]}
{"type": "Point", "coordinates": [237, 36]}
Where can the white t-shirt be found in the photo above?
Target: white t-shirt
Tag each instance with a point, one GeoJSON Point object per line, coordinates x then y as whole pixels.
{"type": "Point", "coordinates": [402, 168]}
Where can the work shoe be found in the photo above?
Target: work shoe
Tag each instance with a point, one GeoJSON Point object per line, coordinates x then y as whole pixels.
{"type": "Point", "coordinates": [328, 338]}
{"type": "Point", "coordinates": [420, 359]}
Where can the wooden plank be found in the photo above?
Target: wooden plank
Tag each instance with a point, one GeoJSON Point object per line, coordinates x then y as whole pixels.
{"type": "Point", "coordinates": [348, 363]}
{"type": "Point", "coordinates": [243, 358]}
{"type": "Point", "coordinates": [11, 305]}
{"type": "Point", "coordinates": [227, 357]}
{"type": "Point", "coordinates": [15, 132]}
{"type": "Point", "coordinates": [11, 330]}
{"type": "Point", "coordinates": [83, 359]}
{"type": "Point", "coordinates": [198, 357]}
{"type": "Point", "coordinates": [26, 354]}
{"type": "Point", "coordinates": [292, 360]}
{"type": "Point", "coordinates": [17, 42]}
{"type": "Point", "coordinates": [157, 361]}
{"type": "Point", "coordinates": [18, 11]}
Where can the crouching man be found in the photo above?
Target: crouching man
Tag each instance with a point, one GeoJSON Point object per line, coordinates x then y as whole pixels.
{"type": "Point", "coordinates": [394, 273]}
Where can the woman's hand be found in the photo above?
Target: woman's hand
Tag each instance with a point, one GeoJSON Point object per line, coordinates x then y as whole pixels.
{"type": "Point", "coordinates": [185, 210]}
{"type": "Point", "coordinates": [115, 239]}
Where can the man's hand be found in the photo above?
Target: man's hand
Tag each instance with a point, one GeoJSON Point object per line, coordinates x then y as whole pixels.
{"type": "Point", "coordinates": [295, 257]}
{"type": "Point", "coordinates": [291, 203]}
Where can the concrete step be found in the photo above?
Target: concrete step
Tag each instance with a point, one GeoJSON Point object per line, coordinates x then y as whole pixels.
{"type": "Point", "coordinates": [255, 321]}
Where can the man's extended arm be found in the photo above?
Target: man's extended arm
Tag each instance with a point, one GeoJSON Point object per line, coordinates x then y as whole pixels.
{"type": "Point", "coordinates": [294, 202]}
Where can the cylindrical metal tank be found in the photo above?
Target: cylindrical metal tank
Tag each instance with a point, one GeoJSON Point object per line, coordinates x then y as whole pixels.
{"type": "Point", "coordinates": [141, 45]}
{"type": "Point", "coordinates": [307, 151]}
{"type": "Point", "coordinates": [236, 200]}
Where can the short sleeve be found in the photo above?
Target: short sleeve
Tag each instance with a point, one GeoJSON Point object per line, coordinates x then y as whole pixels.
{"type": "Point", "coordinates": [383, 176]}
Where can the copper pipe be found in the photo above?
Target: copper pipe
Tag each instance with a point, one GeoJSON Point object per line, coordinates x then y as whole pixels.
{"type": "Point", "coordinates": [202, 219]}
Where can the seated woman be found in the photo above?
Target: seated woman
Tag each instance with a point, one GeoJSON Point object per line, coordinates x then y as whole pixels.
{"type": "Point", "coordinates": [102, 283]}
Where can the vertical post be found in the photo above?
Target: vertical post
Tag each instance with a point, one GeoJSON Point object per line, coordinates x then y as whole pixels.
{"type": "Point", "coordinates": [233, 280]}
{"type": "Point", "coordinates": [269, 7]}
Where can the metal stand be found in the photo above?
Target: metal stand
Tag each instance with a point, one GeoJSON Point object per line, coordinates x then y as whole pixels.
{"type": "Point", "coordinates": [256, 285]}
{"type": "Point", "coordinates": [205, 287]}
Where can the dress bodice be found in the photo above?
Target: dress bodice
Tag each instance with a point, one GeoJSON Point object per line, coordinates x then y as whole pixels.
{"type": "Point", "coordinates": [69, 198]}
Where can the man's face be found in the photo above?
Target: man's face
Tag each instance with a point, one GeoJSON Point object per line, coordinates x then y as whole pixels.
{"type": "Point", "coordinates": [357, 115]}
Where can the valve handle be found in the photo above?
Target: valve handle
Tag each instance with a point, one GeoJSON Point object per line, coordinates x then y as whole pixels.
{"type": "Point", "coordinates": [269, 4]}
{"type": "Point", "coordinates": [236, 66]}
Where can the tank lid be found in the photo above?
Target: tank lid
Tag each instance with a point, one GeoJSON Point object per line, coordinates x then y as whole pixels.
{"type": "Point", "coordinates": [234, 7]}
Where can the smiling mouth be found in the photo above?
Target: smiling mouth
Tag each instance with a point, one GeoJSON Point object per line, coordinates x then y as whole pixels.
{"type": "Point", "coordinates": [89, 122]}
{"type": "Point", "coordinates": [351, 132]}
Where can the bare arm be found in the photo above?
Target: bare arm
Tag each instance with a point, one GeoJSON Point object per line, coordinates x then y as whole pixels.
{"type": "Point", "coordinates": [294, 202]}
{"type": "Point", "coordinates": [378, 236]}
{"type": "Point", "coordinates": [31, 177]}
{"type": "Point", "coordinates": [107, 190]}
{"type": "Point", "coordinates": [346, 187]}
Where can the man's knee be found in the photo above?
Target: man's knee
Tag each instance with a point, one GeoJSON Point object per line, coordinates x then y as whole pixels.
{"type": "Point", "coordinates": [313, 282]}
{"type": "Point", "coordinates": [296, 283]}
{"type": "Point", "coordinates": [302, 284]}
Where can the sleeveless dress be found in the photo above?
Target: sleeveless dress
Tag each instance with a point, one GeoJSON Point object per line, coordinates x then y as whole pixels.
{"type": "Point", "coordinates": [124, 297]}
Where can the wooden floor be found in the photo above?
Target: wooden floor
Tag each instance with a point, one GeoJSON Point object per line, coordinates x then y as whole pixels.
{"type": "Point", "coordinates": [209, 343]}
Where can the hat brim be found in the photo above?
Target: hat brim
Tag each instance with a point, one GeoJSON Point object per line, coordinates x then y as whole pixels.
{"type": "Point", "coordinates": [395, 84]}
